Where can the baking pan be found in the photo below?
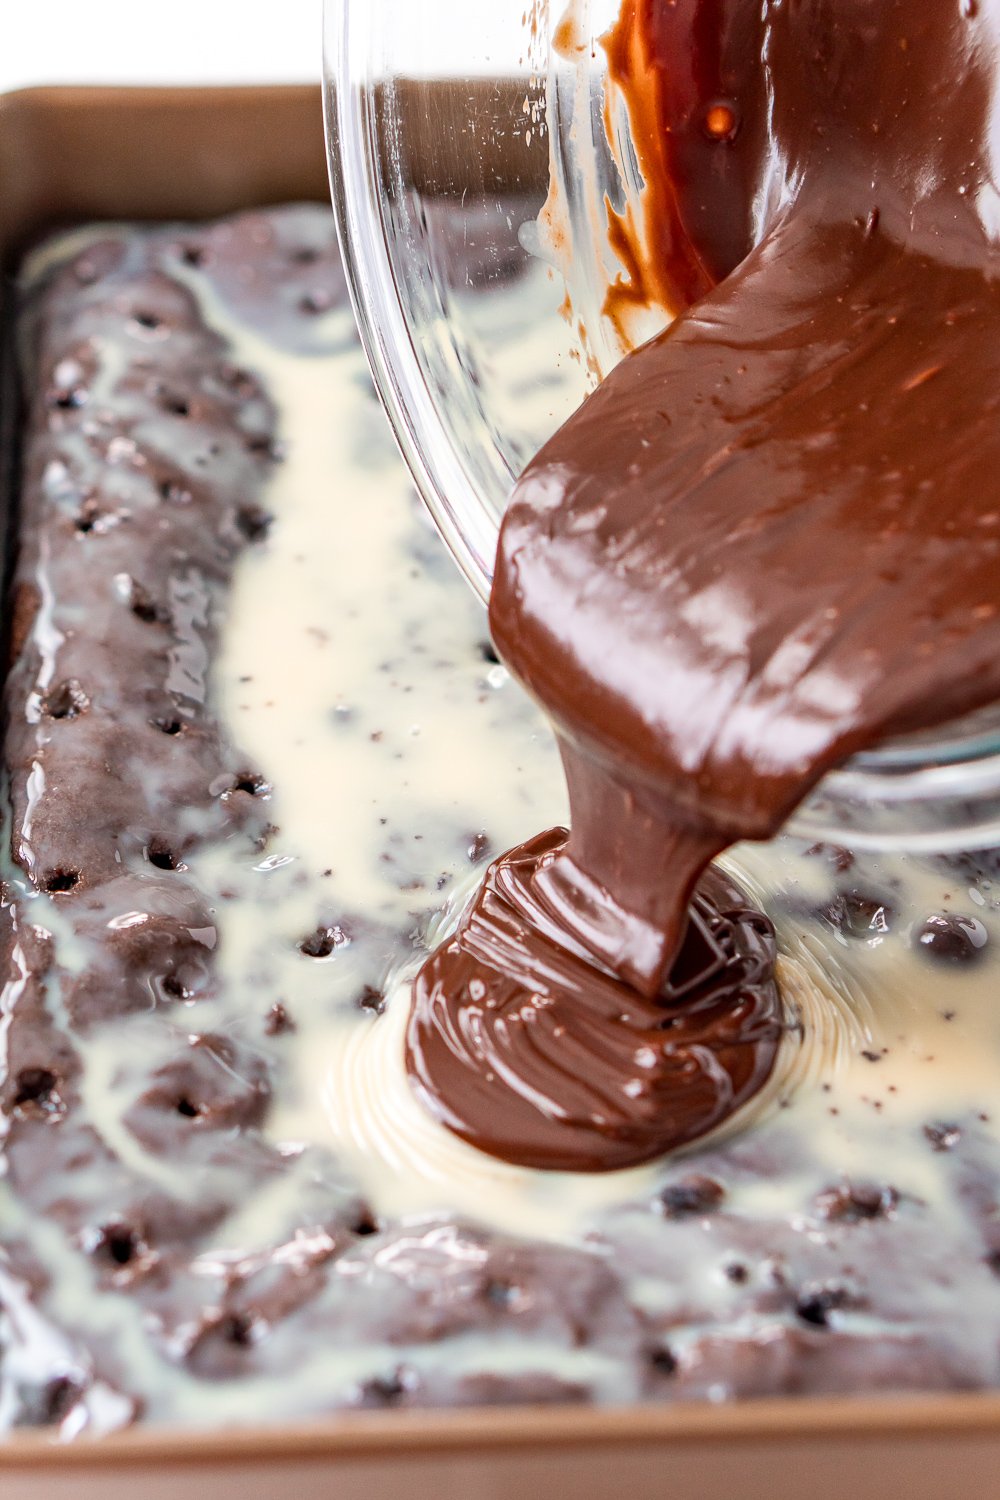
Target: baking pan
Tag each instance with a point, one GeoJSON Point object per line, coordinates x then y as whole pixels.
{"type": "Point", "coordinates": [70, 155]}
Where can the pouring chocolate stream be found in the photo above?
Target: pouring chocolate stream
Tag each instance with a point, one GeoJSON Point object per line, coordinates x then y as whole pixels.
{"type": "Point", "coordinates": [768, 540]}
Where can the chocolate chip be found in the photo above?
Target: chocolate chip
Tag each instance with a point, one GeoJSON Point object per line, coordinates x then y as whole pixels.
{"type": "Point", "coordinates": [266, 448]}
{"type": "Point", "coordinates": [253, 522]}
{"type": "Point", "coordinates": [65, 701]}
{"type": "Point", "coordinates": [943, 1137]}
{"type": "Point", "coordinates": [147, 320]}
{"type": "Point", "coordinates": [60, 882]}
{"type": "Point", "coordinates": [36, 1090]}
{"type": "Point", "coordinates": [194, 255]}
{"type": "Point", "coordinates": [168, 726]}
{"type": "Point", "coordinates": [70, 399]}
{"type": "Point", "coordinates": [372, 999]}
{"type": "Point", "coordinates": [278, 1021]}
{"type": "Point", "coordinates": [663, 1361]}
{"type": "Point", "coordinates": [814, 1306]}
{"type": "Point", "coordinates": [479, 847]}
{"type": "Point", "coordinates": [144, 607]}
{"type": "Point", "coordinates": [239, 381]}
{"type": "Point", "coordinates": [119, 1243]}
{"type": "Point", "coordinates": [89, 517]}
{"type": "Point", "coordinates": [853, 1203]}
{"type": "Point", "coordinates": [319, 300]}
{"type": "Point", "coordinates": [162, 856]}
{"type": "Point", "coordinates": [840, 858]}
{"type": "Point", "coordinates": [737, 1273]}
{"type": "Point", "coordinates": [488, 652]}
{"type": "Point", "coordinates": [992, 1259]}
{"type": "Point", "coordinates": [365, 1224]}
{"type": "Point", "coordinates": [950, 938]}
{"type": "Point", "coordinates": [305, 255]}
{"type": "Point", "coordinates": [175, 493]}
{"type": "Point", "coordinates": [175, 988]}
{"type": "Point", "coordinates": [387, 1390]}
{"type": "Point", "coordinates": [252, 783]}
{"type": "Point", "coordinates": [692, 1195]}
{"type": "Point", "coordinates": [323, 942]}
{"type": "Point", "coordinates": [858, 915]}
{"type": "Point", "coordinates": [47, 1404]}
{"type": "Point", "coordinates": [184, 1106]}
{"type": "Point", "coordinates": [177, 406]}
{"type": "Point", "coordinates": [240, 1329]}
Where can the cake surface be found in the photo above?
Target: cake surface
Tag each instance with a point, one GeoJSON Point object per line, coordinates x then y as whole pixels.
{"type": "Point", "coordinates": [257, 747]}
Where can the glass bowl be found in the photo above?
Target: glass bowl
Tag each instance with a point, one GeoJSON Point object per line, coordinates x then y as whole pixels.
{"type": "Point", "coordinates": [479, 155]}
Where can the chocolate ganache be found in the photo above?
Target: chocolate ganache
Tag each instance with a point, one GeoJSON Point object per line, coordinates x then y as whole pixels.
{"type": "Point", "coordinates": [768, 540]}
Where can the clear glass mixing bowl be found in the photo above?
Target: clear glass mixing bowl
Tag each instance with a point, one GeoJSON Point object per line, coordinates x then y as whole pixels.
{"type": "Point", "coordinates": [477, 152]}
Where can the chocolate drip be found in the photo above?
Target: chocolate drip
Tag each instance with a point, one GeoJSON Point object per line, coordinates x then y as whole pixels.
{"type": "Point", "coordinates": [696, 88]}
{"type": "Point", "coordinates": [771, 537]}
{"type": "Point", "coordinates": [527, 1049]}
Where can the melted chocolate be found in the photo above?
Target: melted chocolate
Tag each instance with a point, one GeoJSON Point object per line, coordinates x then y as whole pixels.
{"type": "Point", "coordinates": [591, 1071]}
{"type": "Point", "coordinates": [770, 539]}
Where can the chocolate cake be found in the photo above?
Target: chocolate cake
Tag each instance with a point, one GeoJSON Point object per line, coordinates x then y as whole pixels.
{"type": "Point", "coordinates": [257, 748]}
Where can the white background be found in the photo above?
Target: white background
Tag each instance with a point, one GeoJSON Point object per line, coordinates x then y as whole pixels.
{"type": "Point", "coordinates": [160, 41]}
{"type": "Point", "coordinates": [242, 41]}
